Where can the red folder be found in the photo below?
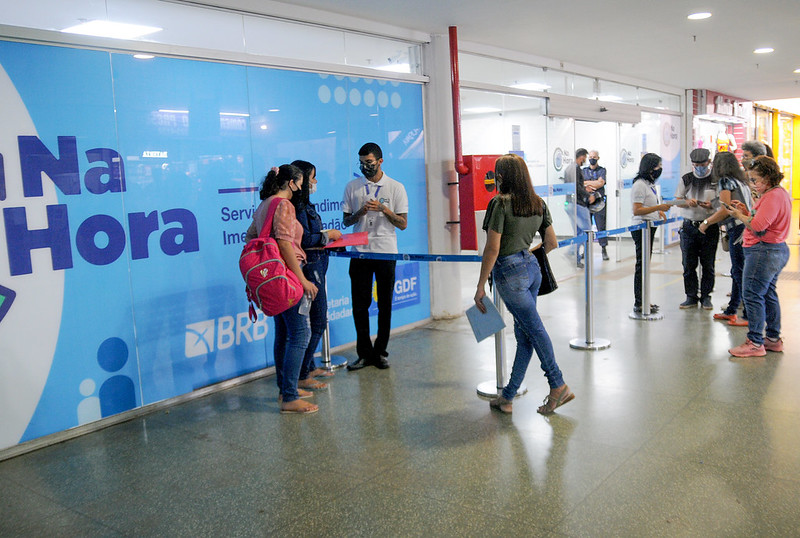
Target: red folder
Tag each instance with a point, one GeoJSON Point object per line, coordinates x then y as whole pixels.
{"type": "Point", "coordinates": [349, 240]}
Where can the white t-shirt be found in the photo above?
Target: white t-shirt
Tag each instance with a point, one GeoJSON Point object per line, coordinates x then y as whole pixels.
{"type": "Point", "coordinates": [392, 194]}
{"type": "Point", "coordinates": [644, 192]}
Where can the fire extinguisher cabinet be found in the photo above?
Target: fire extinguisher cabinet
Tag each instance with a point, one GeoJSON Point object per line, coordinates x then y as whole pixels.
{"type": "Point", "coordinates": [474, 192]}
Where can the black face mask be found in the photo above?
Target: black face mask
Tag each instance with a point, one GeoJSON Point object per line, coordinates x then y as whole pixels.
{"type": "Point", "coordinates": [655, 174]}
{"type": "Point", "coordinates": [369, 170]}
{"type": "Point", "coordinates": [593, 161]}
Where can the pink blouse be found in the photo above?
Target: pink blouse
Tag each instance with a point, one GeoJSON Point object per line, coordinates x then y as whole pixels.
{"type": "Point", "coordinates": [773, 215]}
{"type": "Point", "coordinates": [284, 225]}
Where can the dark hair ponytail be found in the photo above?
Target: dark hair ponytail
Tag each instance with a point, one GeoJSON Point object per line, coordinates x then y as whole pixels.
{"type": "Point", "coordinates": [277, 180]}
{"type": "Point", "coordinates": [301, 198]}
{"type": "Point", "coordinates": [649, 162]}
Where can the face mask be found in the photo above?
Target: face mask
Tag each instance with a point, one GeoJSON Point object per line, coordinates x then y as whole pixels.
{"type": "Point", "coordinates": [655, 174]}
{"type": "Point", "coordinates": [701, 171]}
{"type": "Point", "coordinates": [369, 170]}
{"type": "Point", "coordinates": [593, 161]}
{"type": "Point", "coordinates": [312, 188]}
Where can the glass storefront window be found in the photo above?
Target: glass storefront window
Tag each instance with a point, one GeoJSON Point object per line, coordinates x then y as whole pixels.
{"type": "Point", "coordinates": [226, 31]}
{"type": "Point", "coordinates": [483, 69]}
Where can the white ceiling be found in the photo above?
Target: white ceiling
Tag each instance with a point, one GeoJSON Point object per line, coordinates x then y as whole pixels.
{"type": "Point", "coordinates": [644, 39]}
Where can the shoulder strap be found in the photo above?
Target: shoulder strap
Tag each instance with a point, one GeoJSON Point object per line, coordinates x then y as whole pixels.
{"type": "Point", "coordinates": [266, 228]}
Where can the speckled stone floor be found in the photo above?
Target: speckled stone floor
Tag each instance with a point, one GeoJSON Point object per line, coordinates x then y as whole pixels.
{"type": "Point", "coordinates": [668, 436]}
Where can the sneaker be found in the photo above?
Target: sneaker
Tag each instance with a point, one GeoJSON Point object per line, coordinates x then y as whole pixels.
{"type": "Point", "coordinates": [579, 264]}
{"type": "Point", "coordinates": [705, 302]}
{"type": "Point", "coordinates": [738, 322]}
{"type": "Point", "coordinates": [725, 317]}
{"type": "Point", "coordinates": [690, 302]}
{"type": "Point", "coordinates": [775, 345]}
{"type": "Point", "coordinates": [748, 349]}
{"type": "Point", "coordinates": [605, 255]}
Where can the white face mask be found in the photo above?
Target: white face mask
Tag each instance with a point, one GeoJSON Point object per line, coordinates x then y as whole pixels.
{"type": "Point", "coordinates": [312, 188]}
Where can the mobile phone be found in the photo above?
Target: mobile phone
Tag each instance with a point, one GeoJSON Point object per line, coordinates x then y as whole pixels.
{"type": "Point", "coordinates": [726, 206]}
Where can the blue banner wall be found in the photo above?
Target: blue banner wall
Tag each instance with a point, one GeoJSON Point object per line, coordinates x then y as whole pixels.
{"type": "Point", "coordinates": [126, 189]}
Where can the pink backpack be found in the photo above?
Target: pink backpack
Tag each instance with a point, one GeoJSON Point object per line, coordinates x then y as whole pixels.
{"type": "Point", "coordinates": [269, 283]}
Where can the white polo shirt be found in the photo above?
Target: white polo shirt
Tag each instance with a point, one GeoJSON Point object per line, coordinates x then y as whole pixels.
{"type": "Point", "coordinates": [381, 232]}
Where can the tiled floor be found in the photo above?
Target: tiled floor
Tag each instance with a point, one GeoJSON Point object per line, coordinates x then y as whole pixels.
{"type": "Point", "coordinates": [668, 436]}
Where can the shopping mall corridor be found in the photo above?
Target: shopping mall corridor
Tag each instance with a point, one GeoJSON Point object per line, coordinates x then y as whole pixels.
{"type": "Point", "coordinates": [668, 436]}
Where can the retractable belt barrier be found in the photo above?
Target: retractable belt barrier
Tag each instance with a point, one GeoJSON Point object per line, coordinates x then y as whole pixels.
{"type": "Point", "coordinates": [588, 343]}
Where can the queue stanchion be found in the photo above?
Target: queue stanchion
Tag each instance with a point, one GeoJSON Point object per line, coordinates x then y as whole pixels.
{"type": "Point", "coordinates": [589, 343]}
{"type": "Point", "coordinates": [645, 314]}
{"type": "Point", "coordinates": [493, 389]}
{"type": "Point", "coordinates": [330, 362]}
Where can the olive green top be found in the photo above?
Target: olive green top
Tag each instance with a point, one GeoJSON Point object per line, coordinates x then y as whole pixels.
{"type": "Point", "coordinates": [517, 232]}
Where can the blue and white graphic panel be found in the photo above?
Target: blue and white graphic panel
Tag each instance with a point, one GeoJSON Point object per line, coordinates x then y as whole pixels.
{"type": "Point", "coordinates": [66, 341]}
{"type": "Point", "coordinates": [186, 143]}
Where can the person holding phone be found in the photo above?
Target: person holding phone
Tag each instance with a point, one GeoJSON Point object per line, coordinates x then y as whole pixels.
{"type": "Point", "coordinates": [765, 256]}
{"type": "Point", "coordinates": [646, 207]}
{"type": "Point", "coordinates": [512, 219]}
{"type": "Point", "coordinates": [731, 185]}
{"type": "Point", "coordinates": [315, 269]}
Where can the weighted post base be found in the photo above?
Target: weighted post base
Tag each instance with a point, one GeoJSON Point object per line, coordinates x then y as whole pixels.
{"type": "Point", "coordinates": [336, 361]}
{"type": "Point", "coordinates": [488, 389]}
{"type": "Point", "coordinates": [580, 343]}
{"type": "Point", "coordinates": [646, 317]}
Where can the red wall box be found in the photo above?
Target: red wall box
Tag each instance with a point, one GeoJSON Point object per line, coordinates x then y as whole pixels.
{"type": "Point", "coordinates": [474, 192]}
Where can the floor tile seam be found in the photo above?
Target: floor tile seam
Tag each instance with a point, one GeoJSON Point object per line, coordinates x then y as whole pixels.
{"type": "Point", "coordinates": [599, 487]}
{"type": "Point", "coordinates": [44, 496]}
{"type": "Point", "coordinates": [791, 414]}
{"type": "Point", "coordinates": [634, 453]}
{"type": "Point", "coordinates": [344, 471]}
{"type": "Point", "coordinates": [90, 518]}
{"type": "Point", "coordinates": [725, 471]}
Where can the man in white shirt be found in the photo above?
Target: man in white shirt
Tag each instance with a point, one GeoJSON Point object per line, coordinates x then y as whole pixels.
{"type": "Point", "coordinates": [376, 204]}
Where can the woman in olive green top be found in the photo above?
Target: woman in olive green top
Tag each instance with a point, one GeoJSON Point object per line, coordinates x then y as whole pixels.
{"type": "Point", "coordinates": [512, 220]}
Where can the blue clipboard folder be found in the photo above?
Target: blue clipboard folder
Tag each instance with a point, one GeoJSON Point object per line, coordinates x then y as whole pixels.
{"type": "Point", "coordinates": [485, 325]}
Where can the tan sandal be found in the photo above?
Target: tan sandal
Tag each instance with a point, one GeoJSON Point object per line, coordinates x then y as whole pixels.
{"type": "Point", "coordinates": [551, 404]}
{"type": "Point", "coordinates": [300, 392]}
{"type": "Point", "coordinates": [321, 372]}
{"type": "Point", "coordinates": [299, 407]}
{"type": "Point", "coordinates": [312, 384]}
{"type": "Point", "coordinates": [501, 404]}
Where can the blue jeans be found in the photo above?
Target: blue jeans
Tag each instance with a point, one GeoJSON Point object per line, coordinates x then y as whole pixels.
{"type": "Point", "coordinates": [315, 269]}
{"type": "Point", "coordinates": [517, 277]}
{"type": "Point", "coordinates": [736, 252]}
{"type": "Point", "coordinates": [763, 263]}
{"type": "Point", "coordinates": [292, 332]}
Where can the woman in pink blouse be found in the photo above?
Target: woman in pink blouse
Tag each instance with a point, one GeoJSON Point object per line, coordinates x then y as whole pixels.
{"type": "Point", "coordinates": [765, 255]}
{"type": "Point", "coordinates": [292, 329]}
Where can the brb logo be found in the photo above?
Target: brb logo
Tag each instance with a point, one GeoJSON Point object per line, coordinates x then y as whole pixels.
{"type": "Point", "coordinates": [212, 335]}
{"type": "Point", "coordinates": [99, 239]}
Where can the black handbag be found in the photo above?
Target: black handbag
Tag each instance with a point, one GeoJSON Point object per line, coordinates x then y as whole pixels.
{"type": "Point", "coordinates": [549, 283]}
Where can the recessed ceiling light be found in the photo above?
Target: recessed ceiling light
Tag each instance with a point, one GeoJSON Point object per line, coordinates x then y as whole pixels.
{"type": "Point", "coordinates": [533, 86]}
{"type": "Point", "coordinates": [764, 50]}
{"type": "Point", "coordinates": [699, 16]}
{"type": "Point", "coordinates": [797, 71]}
{"type": "Point", "coordinates": [481, 110]}
{"type": "Point", "coordinates": [118, 30]}
{"type": "Point", "coordinates": [143, 56]}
